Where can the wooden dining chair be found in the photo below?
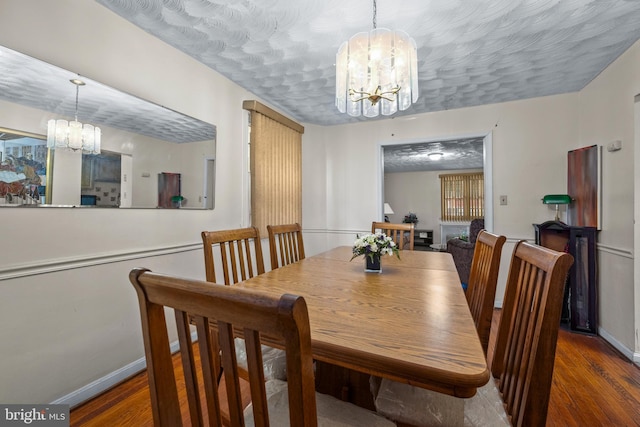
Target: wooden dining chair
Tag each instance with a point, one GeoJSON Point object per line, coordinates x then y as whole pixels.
{"type": "Point", "coordinates": [483, 280]}
{"type": "Point", "coordinates": [396, 232]}
{"type": "Point", "coordinates": [525, 347]}
{"type": "Point", "coordinates": [239, 261]}
{"type": "Point", "coordinates": [283, 319]}
{"type": "Point", "coordinates": [523, 357]}
{"type": "Point", "coordinates": [285, 244]}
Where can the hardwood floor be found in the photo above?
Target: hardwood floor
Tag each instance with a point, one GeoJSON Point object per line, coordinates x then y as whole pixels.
{"type": "Point", "coordinates": [593, 385]}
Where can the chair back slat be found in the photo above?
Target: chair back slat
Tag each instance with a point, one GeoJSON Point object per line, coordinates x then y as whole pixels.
{"type": "Point", "coordinates": [231, 376]}
{"type": "Point", "coordinates": [210, 362]}
{"type": "Point", "coordinates": [483, 280]}
{"type": "Point", "coordinates": [525, 348]}
{"type": "Point", "coordinates": [254, 363]}
{"type": "Point", "coordinates": [396, 232]}
{"type": "Point", "coordinates": [286, 244]}
{"type": "Point", "coordinates": [240, 254]}
{"type": "Point", "coordinates": [188, 363]}
{"type": "Point", "coordinates": [231, 309]}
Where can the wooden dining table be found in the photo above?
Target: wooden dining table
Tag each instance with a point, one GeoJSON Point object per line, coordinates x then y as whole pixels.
{"type": "Point", "coordinates": [410, 323]}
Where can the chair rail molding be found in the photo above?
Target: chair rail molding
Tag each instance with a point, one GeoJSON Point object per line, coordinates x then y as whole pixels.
{"type": "Point", "coordinates": [61, 264]}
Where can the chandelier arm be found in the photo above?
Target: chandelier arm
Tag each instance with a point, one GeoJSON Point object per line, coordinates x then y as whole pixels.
{"type": "Point", "coordinates": [392, 91]}
{"type": "Point", "coordinates": [365, 96]}
{"type": "Point", "coordinates": [362, 98]}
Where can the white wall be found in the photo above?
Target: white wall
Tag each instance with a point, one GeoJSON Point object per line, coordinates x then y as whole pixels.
{"type": "Point", "coordinates": [606, 113]}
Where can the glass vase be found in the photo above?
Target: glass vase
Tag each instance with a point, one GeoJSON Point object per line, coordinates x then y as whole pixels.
{"type": "Point", "coordinates": [372, 264]}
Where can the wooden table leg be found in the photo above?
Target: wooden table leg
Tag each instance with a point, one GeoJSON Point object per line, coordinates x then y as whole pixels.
{"type": "Point", "coordinates": [344, 384]}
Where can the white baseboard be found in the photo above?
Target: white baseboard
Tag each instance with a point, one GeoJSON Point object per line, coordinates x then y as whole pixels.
{"type": "Point", "coordinates": [103, 384]}
{"type": "Point", "coordinates": [626, 352]}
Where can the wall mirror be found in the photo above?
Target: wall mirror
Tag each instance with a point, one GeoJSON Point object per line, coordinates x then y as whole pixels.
{"type": "Point", "coordinates": [151, 156]}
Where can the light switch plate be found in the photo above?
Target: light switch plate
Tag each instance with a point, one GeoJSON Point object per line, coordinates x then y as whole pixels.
{"type": "Point", "coordinates": [614, 146]}
{"type": "Point", "coordinates": [503, 200]}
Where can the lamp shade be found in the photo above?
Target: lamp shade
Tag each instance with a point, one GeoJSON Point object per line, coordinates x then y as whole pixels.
{"type": "Point", "coordinates": [556, 199]}
{"type": "Point", "coordinates": [387, 209]}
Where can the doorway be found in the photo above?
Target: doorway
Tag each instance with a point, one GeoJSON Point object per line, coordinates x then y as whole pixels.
{"type": "Point", "coordinates": [209, 183]}
{"type": "Point", "coordinates": [486, 165]}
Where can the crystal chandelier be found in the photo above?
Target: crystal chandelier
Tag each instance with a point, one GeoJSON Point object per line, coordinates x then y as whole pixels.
{"type": "Point", "coordinates": [74, 135]}
{"type": "Point", "coordinates": [376, 72]}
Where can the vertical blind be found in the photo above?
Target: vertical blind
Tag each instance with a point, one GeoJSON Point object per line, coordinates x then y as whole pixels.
{"type": "Point", "coordinates": [275, 164]}
{"type": "Point", "coordinates": [462, 196]}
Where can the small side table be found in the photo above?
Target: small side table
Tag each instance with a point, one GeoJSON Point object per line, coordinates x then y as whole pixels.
{"type": "Point", "coordinates": [422, 237]}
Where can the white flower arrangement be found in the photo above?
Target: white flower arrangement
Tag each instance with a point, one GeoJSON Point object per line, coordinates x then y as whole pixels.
{"type": "Point", "coordinates": [372, 244]}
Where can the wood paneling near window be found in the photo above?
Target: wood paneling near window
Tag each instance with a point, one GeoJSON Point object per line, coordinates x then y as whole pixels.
{"type": "Point", "coordinates": [275, 167]}
{"type": "Point", "coordinates": [462, 196]}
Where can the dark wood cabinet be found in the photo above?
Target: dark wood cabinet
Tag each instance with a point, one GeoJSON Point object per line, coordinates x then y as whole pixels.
{"type": "Point", "coordinates": [579, 307]}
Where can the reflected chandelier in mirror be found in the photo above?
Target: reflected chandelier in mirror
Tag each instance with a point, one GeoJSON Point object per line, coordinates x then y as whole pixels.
{"type": "Point", "coordinates": [150, 139]}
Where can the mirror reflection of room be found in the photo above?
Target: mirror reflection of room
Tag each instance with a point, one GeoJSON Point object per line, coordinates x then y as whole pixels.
{"type": "Point", "coordinates": [101, 179]}
{"type": "Point", "coordinates": [139, 142]}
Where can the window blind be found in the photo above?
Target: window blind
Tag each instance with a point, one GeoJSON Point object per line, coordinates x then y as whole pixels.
{"type": "Point", "coordinates": [462, 196]}
{"type": "Point", "coordinates": [275, 165]}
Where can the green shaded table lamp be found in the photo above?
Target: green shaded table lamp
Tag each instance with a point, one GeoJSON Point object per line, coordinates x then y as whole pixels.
{"type": "Point", "coordinates": [556, 199]}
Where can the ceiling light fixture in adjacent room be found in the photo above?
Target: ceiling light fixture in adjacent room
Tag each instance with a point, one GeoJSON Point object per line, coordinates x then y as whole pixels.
{"type": "Point", "coordinates": [376, 72]}
{"type": "Point", "coordinates": [74, 135]}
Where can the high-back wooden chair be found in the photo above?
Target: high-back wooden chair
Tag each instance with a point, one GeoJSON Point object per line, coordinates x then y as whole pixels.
{"type": "Point", "coordinates": [528, 331]}
{"type": "Point", "coordinates": [239, 261]}
{"type": "Point", "coordinates": [241, 258]}
{"type": "Point", "coordinates": [396, 232]}
{"type": "Point", "coordinates": [522, 360]}
{"type": "Point", "coordinates": [285, 244]}
{"type": "Point", "coordinates": [483, 280]}
{"type": "Point", "coordinates": [283, 319]}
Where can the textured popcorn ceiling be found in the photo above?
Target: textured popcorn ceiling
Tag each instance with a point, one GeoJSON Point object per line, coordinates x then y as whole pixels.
{"type": "Point", "coordinates": [457, 154]}
{"type": "Point", "coordinates": [28, 81]}
{"type": "Point", "coordinates": [470, 52]}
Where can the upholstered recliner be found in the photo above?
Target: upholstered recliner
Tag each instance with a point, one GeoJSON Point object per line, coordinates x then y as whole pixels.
{"type": "Point", "coordinates": [462, 251]}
